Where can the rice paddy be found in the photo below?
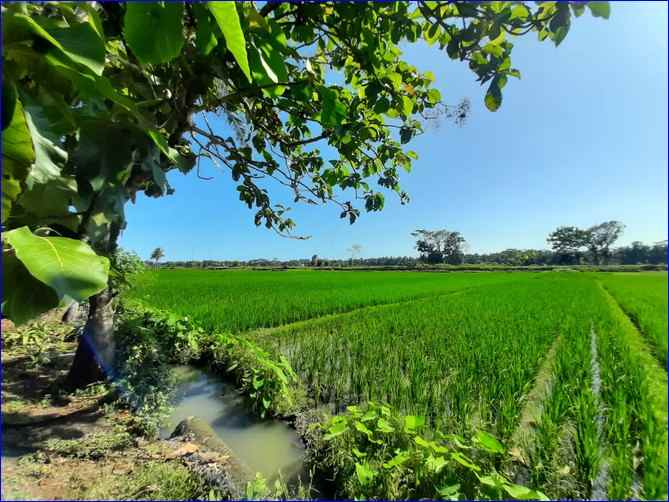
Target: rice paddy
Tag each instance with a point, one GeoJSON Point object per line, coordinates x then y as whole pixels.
{"type": "Point", "coordinates": [582, 354]}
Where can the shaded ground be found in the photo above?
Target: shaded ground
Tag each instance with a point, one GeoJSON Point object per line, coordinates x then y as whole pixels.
{"type": "Point", "coordinates": [73, 446]}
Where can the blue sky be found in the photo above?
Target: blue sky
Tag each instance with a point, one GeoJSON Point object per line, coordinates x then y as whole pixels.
{"type": "Point", "coordinates": [580, 139]}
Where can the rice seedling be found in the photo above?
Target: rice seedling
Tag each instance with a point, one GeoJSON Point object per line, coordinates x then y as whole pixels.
{"type": "Point", "coordinates": [643, 297]}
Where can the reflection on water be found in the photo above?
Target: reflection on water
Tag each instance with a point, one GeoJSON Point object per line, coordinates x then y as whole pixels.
{"type": "Point", "coordinates": [266, 446]}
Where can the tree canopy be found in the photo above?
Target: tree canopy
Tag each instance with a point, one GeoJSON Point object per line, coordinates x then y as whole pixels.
{"type": "Point", "coordinates": [440, 246]}
{"type": "Point", "coordinates": [101, 100]}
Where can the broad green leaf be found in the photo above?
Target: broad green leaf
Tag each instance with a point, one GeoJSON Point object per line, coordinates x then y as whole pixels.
{"type": "Point", "coordinates": [154, 30]}
{"type": "Point", "coordinates": [434, 96]}
{"type": "Point", "coordinates": [8, 102]}
{"type": "Point", "coordinates": [413, 422]}
{"type": "Point", "coordinates": [333, 110]}
{"type": "Point", "coordinates": [49, 157]}
{"type": "Point", "coordinates": [407, 105]}
{"type": "Point", "coordinates": [362, 428]}
{"type": "Point", "coordinates": [336, 429]}
{"type": "Point", "coordinates": [464, 461]}
{"type": "Point", "coordinates": [493, 98]}
{"type": "Point", "coordinates": [519, 12]}
{"type": "Point", "coordinates": [451, 492]}
{"type": "Point", "coordinates": [11, 189]}
{"type": "Point", "coordinates": [384, 426]}
{"type": "Point", "coordinates": [523, 492]}
{"type": "Point", "coordinates": [227, 18]}
{"type": "Point", "coordinates": [600, 9]}
{"type": "Point", "coordinates": [80, 42]}
{"type": "Point", "coordinates": [17, 143]}
{"type": "Point", "coordinates": [205, 39]}
{"type": "Point", "coordinates": [397, 460]}
{"type": "Point", "coordinates": [435, 464]}
{"type": "Point", "coordinates": [364, 473]}
{"type": "Point", "coordinates": [68, 266]}
{"type": "Point", "coordinates": [489, 442]}
{"type": "Point", "coordinates": [24, 296]}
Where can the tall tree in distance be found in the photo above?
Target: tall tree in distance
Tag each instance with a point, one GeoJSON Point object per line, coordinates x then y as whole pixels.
{"type": "Point", "coordinates": [600, 239]}
{"type": "Point", "coordinates": [440, 246]}
{"type": "Point", "coordinates": [568, 242]}
{"type": "Point", "coordinates": [354, 251]}
{"type": "Point", "coordinates": [157, 255]}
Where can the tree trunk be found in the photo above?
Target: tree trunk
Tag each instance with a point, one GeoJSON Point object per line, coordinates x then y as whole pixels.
{"type": "Point", "coordinates": [94, 359]}
{"type": "Point", "coordinates": [71, 313]}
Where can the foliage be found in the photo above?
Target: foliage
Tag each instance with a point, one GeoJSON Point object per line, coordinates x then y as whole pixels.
{"type": "Point", "coordinates": [440, 246]}
{"type": "Point", "coordinates": [567, 242]}
{"type": "Point", "coordinates": [157, 255]}
{"type": "Point", "coordinates": [375, 452]}
{"type": "Point", "coordinates": [151, 338]}
{"type": "Point", "coordinates": [93, 446]}
{"type": "Point", "coordinates": [36, 339]}
{"type": "Point", "coordinates": [39, 273]}
{"type": "Point", "coordinates": [601, 237]}
{"type": "Point", "coordinates": [124, 266]}
{"type": "Point", "coordinates": [99, 99]}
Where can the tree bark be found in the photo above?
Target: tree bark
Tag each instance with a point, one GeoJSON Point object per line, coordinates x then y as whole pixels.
{"type": "Point", "coordinates": [94, 359]}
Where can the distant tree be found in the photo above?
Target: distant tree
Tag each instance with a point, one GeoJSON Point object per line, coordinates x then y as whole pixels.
{"type": "Point", "coordinates": [355, 251]}
{"type": "Point", "coordinates": [440, 246]}
{"type": "Point", "coordinates": [157, 255]}
{"type": "Point", "coordinates": [567, 242]}
{"type": "Point", "coordinates": [601, 237]}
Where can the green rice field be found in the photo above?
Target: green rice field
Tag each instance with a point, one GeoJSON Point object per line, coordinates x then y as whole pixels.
{"type": "Point", "coordinates": [567, 369]}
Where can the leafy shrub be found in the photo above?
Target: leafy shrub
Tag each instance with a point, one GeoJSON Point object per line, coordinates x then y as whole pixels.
{"type": "Point", "coordinates": [374, 452]}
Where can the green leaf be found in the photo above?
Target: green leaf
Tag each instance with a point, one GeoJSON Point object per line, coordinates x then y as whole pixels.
{"type": "Point", "coordinates": [600, 9]}
{"type": "Point", "coordinates": [227, 18]}
{"type": "Point", "coordinates": [519, 12]}
{"type": "Point", "coordinates": [68, 266]}
{"type": "Point", "coordinates": [451, 492]}
{"type": "Point", "coordinates": [8, 102]}
{"type": "Point", "coordinates": [407, 105]}
{"type": "Point", "coordinates": [154, 30]}
{"type": "Point", "coordinates": [413, 423]}
{"type": "Point", "coordinates": [11, 189]}
{"type": "Point", "coordinates": [493, 98]}
{"type": "Point", "coordinates": [49, 157]}
{"type": "Point", "coordinates": [435, 464]}
{"type": "Point", "coordinates": [464, 461]}
{"type": "Point", "coordinates": [362, 428]}
{"type": "Point", "coordinates": [384, 426]}
{"type": "Point", "coordinates": [397, 460]}
{"type": "Point", "coordinates": [336, 429]}
{"type": "Point", "coordinates": [24, 296]}
{"type": "Point", "coordinates": [434, 96]}
{"type": "Point", "coordinates": [333, 111]}
{"type": "Point", "coordinates": [364, 473]}
{"type": "Point", "coordinates": [523, 492]}
{"type": "Point", "coordinates": [205, 39]}
{"type": "Point", "coordinates": [17, 144]}
{"type": "Point", "coordinates": [489, 442]}
{"type": "Point", "coordinates": [79, 42]}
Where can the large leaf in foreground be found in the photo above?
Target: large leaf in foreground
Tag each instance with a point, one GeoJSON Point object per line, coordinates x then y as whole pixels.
{"type": "Point", "coordinates": [154, 30]}
{"type": "Point", "coordinates": [24, 296]}
{"type": "Point", "coordinates": [227, 19]}
{"type": "Point", "coordinates": [68, 266]}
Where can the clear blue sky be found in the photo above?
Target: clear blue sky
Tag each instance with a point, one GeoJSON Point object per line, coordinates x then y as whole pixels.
{"type": "Point", "coordinates": [580, 139]}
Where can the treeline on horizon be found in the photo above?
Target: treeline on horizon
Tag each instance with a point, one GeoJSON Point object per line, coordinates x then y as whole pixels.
{"type": "Point", "coordinates": [636, 253]}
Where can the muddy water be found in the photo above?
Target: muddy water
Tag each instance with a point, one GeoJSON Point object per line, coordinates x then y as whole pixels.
{"type": "Point", "coordinates": [266, 446]}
